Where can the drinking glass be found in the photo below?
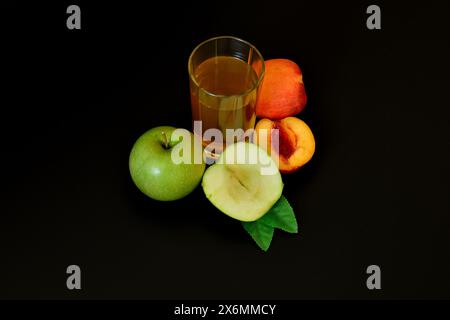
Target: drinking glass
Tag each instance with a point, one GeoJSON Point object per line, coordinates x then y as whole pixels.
{"type": "Point", "coordinates": [225, 76]}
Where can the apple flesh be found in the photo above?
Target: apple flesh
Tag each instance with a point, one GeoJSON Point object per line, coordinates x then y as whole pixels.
{"type": "Point", "coordinates": [282, 92]}
{"type": "Point", "coordinates": [238, 188]}
{"type": "Point", "coordinates": [154, 172]}
{"type": "Point", "coordinates": [296, 143]}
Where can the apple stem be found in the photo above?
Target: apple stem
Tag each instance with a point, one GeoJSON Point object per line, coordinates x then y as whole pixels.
{"type": "Point", "coordinates": [165, 140]}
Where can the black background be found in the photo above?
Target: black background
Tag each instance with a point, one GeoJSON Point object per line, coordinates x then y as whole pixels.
{"type": "Point", "coordinates": [74, 102]}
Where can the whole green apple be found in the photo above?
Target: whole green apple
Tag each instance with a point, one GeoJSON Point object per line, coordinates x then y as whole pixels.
{"type": "Point", "coordinates": [153, 170]}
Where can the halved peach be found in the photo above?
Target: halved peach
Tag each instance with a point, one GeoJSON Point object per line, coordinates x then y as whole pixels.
{"type": "Point", "coordinates": [291, 146]}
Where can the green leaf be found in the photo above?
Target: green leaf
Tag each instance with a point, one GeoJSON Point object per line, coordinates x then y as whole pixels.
{"type": "Point", "coordinates": [260, 232]}
{"type": "Point", "coordinates": [281, 216]}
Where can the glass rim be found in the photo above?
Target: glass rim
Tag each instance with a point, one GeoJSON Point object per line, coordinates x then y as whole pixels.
{"type": "Point", "coordinates": [192, 75]}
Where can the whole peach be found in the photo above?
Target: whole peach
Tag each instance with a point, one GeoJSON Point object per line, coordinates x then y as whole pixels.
{"type": "Point", "coordinates": [282, 93]}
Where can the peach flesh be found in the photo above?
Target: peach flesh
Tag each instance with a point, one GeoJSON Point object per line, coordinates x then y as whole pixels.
{"type": "Point", "coordinates": [296, 142]}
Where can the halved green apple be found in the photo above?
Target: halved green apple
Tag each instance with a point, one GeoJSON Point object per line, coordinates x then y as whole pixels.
{"type": "Point", "coordinates": [244, 183]}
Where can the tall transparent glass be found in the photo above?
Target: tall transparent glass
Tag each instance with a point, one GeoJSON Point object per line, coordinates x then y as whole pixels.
{"type": "Point", "coordinates": [225, 76]}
